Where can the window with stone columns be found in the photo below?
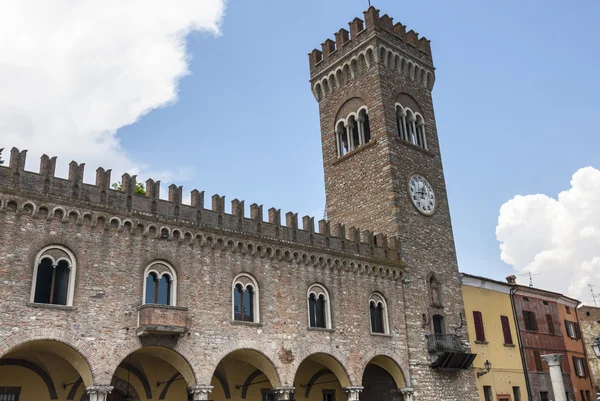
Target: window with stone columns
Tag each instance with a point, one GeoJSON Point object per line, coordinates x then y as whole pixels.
{"type": "Point", "coordinates": [160, 284]}
{"type": "Point", "coordinates": [378, 314]}
{"type": "Point", "coordinates": [54, 276]}
{"type": "Point", "coordinates": [319, 312]}
{"type": "Point", "coordinates": [352, 132]}
{"type": "Point", "coordinates": [245, 296]}
{"type": "Point", "coordinates": [411, 126]}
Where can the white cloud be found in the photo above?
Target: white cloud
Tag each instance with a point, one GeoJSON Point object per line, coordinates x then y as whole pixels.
{"type": "Point", "coordinates": [556, 239]}
{"type": "Point", "coordinates": [73, 72]}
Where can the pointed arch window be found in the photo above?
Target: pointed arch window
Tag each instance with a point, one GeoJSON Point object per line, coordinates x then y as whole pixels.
{"type": "Point", "coordinates": [160, 284]}
{"type": "Point", "coordinates": [54, 276]}
{"type": "Point", "coordinates": [378, 314]}
{"type": "Point", "coordinates": [245, 298]}
{"type": "Point", "coordinates": [319, 312]}
{"type": "Point", "coordinates": [411, 126]}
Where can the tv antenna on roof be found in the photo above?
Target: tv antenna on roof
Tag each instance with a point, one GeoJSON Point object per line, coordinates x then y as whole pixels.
{"type": "Point", "coordinates": [530, 278]}
{"type": "Point", "coordinates": [369, 3]}
{"type": "Point", "coordinates": [593, 294]}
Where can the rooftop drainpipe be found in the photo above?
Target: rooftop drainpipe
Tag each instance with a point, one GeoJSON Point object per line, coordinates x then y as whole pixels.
{"type": "Point", "coordinates": [513, 291]}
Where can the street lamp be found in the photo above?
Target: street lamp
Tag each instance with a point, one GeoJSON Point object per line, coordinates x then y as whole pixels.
{"type": "Point", "coordinates": [488, 366]}
{"type": "Point", "coordinates": [596, 347]}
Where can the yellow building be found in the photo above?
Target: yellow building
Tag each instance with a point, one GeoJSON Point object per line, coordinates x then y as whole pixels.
{"type": "Point", "coordinates": [493, 337]}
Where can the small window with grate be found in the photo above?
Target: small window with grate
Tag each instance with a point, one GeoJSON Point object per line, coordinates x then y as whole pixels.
{"type": "Point", "coordinates": [10, 393]}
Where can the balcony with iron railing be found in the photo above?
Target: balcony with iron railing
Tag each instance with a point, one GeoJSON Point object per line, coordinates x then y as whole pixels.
{"type": "Point", "coordinates": [439, 343]}
{"type": "Point", "coordinates": [448, 351]}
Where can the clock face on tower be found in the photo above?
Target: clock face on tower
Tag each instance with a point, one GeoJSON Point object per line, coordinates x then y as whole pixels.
{"type": "Point", "coordinates": [421, 194]}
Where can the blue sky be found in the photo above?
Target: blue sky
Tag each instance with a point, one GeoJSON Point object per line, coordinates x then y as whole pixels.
{"type": "Point", "coordinates": [515, 99]}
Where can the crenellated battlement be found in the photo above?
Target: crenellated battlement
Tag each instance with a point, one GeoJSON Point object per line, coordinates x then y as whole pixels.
{"type": "Point", "coordinates": [374, 41]}
{"type": "Point", "coordinates": [44, 186]}
{"type": "Point", "coordinates": [359, 32]}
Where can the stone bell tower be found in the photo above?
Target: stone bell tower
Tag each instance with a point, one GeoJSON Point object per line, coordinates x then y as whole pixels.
{"type": "Point", "coordinates": [383, 172]}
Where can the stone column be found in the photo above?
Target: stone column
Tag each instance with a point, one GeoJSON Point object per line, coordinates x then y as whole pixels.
{"type": "Point", "coordinates": [349, 133]}
{"type": "Point", "coordinates": [98, 393]}
{"type": "Point", "coordinates": [361, 131]}
{"type": "Point", "coordinates": [558, 385]}
{"type": "Point", "coordinates": [407, 393]}
{"type": "Point", "coordinates": [200, 393]}
{"type": "Point", "coordinates": [283, 393]}
{"type": "Point", "coordinates": [353, 393]}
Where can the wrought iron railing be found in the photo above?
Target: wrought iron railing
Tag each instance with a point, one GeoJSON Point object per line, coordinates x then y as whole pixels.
{"type": "Point", "coordinates": [439, 343]}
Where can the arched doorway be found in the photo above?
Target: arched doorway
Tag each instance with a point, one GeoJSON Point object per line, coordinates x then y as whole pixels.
{"type": "Point", "coordinates": [382, 380]}
{"type": "Point", "coordinates": [152, 373]}
{"type": "Point", "coordinates": [321, 377]}
{"type": "Point", "coordinates": [244, 374]}
{"type": "Point", "coordinates": [44, 370]}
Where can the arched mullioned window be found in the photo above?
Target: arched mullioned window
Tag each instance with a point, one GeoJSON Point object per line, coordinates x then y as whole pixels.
{"type": "Point", "coordinates": [352, 132]}
{"type": "Point", "coordinates": [378, 314]}
{"type": "Point", "coordinates": [319, 311]}
{"type": "Point", "coordinates": [160, 284]}
{"type": "Point", "coordinates": [411, 126]}
{"type": "Point", "coordinates": [54, 276]}
{"type": "Point", "coordinates": [245, 294]}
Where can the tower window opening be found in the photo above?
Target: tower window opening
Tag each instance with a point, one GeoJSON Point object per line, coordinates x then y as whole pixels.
{"type": "Point", "coordinates": [411, 126]}
{"type": "Point", "coordinates": [352, 132]}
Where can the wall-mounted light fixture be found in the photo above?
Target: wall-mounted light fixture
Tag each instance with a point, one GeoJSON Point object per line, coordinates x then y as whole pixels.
{"type": "Point", "coordinates": [488, 366]}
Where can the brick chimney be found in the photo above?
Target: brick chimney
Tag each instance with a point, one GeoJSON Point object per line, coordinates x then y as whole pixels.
{"type": "Point", "coordinates": [512, 279]}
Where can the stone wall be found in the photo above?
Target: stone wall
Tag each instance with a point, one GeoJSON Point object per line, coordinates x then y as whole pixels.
{"type": "Point", "coordinates": [111, 259]}
{"type": "Point", "coordinates": [589, 320]}
{"type": "Point", "coordinates": [369, 186]}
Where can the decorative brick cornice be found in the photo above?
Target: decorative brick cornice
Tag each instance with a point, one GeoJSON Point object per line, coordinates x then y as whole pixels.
{"type": "Point", "coordinates": [340, 257]}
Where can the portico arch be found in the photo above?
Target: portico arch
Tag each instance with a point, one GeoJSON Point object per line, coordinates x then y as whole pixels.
{"type": "Point", "coordinates": [319, 374]}
{"type": "Point", "coordinates": [40, 367]}
{"type": "Point", "coordinates": [382, 380]}
{"type": "Point", "coordinates": [244, 374]}
{"type": "Point", "coordinates": [155, 372]}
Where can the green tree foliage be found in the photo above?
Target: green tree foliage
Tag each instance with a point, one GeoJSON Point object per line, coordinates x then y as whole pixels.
{"type": "Point", "coordinates": [139, 187]}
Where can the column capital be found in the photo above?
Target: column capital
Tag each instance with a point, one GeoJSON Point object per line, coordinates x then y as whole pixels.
{"type": "Point", "coordinates": [200, 393]}
{"type": "Point", "coordinates": [283, 393]}
{"type": "Point", "coordinates": [407, 393]}
{"type": "Point", "coordinates": [553, 359]}
{"type": "Point", "coordinates": [98, 393]}
{"type": "Point", "coordinates": [353, 392]}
